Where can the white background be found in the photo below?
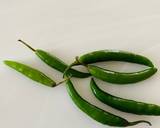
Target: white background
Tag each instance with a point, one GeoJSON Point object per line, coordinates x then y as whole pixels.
{"type": "Point", "coordinates": [67, 28]}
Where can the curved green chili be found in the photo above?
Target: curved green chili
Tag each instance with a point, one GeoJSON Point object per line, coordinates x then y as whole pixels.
{"type": "Point", "coordinates": [113, 55]}
{"type": "Point", "coordinates": [31, 73]}
{"type": "Point", "coordinates": [56, 63]}
{"type": "Point", "coordinates": [97, 113]}
{"type": "Point", "coordinates": [110, 55]}
{"type": "Point", "coordinates": [124, 105]}
{"type": "Point", "coordinates": [120, 77]}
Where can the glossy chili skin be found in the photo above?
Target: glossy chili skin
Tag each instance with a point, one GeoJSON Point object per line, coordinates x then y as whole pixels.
{"type": "Point", "coordinates": [58, 64]}
{"type": "Point", "coordinates": [96, 113]}
{"type": "Point", "coordinates": [113, 55]}
{"type": "Point", "coordinates": [120, 77]}
{"type": "Point", "coordinates": [124, 105]}
{"type": "Point", "coordinates": [31, 73]}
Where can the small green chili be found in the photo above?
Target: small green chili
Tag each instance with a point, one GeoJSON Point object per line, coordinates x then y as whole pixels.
{"type": "Point", "coordinates": [55, 62]}
{"type": "Point", "coordinates": [113, 55]}
{"type": "Point", "coordinates": [120, 77]}
{"type": "Point", "coordinates": [124, 105]}
{"type": "Point", "coordinates": [31, 73]}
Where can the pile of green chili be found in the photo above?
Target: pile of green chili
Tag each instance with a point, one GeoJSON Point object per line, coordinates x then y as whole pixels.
{"type": "Point", "coordinates": [88, 60]}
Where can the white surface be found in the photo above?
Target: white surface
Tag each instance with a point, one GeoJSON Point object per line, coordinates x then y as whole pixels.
{"type": "Point", "coordinates": [67, 28]}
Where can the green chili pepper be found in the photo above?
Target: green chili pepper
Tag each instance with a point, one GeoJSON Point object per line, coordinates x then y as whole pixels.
{"type": "Point", "coordinates": [113, 55]}
{"type": "Point", "coordinates": [97, 113]}
{"type": "Point", "coordinates": [120, 77]}
{"type": "Point", "coordinates": [55, 62]}
{"type": "Point", "coordinates": [31, 73]}
{"type": "Point", "coordinates": [110, 55]}
{"type": "Point", "coordinates": [124, 105]}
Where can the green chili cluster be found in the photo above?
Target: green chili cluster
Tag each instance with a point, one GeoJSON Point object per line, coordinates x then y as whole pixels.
{"type": "Point", "coordinates": [119, 78]}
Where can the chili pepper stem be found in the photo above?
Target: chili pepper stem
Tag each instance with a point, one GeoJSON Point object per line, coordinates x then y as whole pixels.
{"type": "Point", "coordinates": [77, 60]}
{"type": "Point", "coordinates": [61, 82]}
{"type": "Point", "coordinates": [27, 45]}
{"type": "Point", "coordinates": [140, 121]}
{"type": "Point", "coordinates": [69, 67]}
